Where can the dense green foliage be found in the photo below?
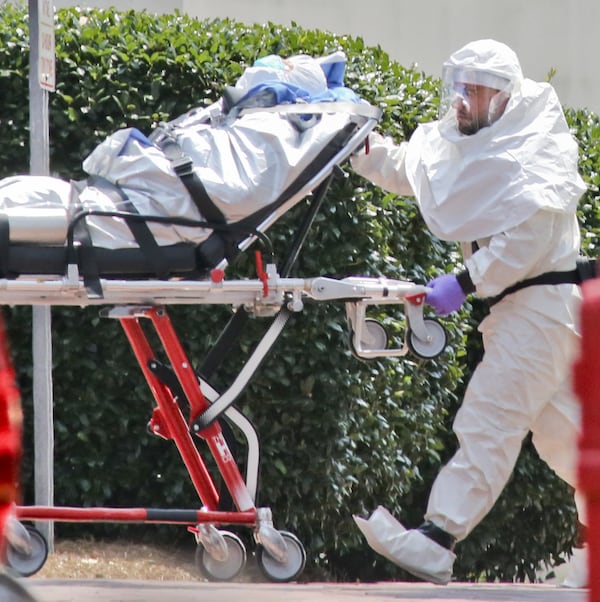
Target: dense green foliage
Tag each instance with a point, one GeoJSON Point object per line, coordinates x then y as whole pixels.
{"type": "Point", "coordinates": [339, 435]}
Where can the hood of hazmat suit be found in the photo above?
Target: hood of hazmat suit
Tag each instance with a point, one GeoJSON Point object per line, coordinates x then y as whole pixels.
{"type": "Point", "coordinates": [474, 186]}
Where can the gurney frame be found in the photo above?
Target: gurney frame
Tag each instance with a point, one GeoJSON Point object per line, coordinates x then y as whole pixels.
{"type": "Point", "coordinates": [179, 388]}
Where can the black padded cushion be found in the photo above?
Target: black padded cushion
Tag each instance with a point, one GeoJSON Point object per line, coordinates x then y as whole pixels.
{"type": "Point", "coordinates": [26, 259]}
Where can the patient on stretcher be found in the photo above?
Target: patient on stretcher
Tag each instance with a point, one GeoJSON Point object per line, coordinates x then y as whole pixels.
{"type": "Point", "coordinates": [213, 165]}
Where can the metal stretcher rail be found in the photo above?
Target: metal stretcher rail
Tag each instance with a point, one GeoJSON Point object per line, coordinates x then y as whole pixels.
{"type": "Point", "coordinates": [272, 291]}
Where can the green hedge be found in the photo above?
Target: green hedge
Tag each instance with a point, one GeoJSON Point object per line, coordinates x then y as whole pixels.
{"type": "Point", "coordinates": [338, 435]}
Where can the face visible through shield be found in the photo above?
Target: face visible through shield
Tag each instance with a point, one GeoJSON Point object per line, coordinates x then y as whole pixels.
{"type": "Point", "coordinates": [475, 98]}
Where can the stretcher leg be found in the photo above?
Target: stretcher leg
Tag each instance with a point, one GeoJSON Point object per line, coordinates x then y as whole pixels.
{"type": "Point", "coordinates": [171, 413]}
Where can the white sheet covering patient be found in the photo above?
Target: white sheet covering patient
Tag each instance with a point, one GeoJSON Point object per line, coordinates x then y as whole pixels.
{"type": "Point", "coordinates": [244, 162]}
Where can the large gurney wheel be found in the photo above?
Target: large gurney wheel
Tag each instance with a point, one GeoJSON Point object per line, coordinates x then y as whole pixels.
{"type": "Point", "coordinates": [227, 569]}
{"type": "Point", "coordinates": [375, 337]}
{"type": "Point", "coordinates": [27, 562]}
{"type": "Point", "coordinates": [435, 343]}
{"type": "Point", "coordinates": [282, 572]}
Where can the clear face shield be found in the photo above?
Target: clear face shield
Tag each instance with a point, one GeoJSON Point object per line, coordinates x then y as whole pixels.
{"type": "Point", "coordinates": [475, 98]}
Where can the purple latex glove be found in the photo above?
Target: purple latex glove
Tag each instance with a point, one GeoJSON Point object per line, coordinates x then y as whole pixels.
{"type": "Point", "coordinates": [446, 295]}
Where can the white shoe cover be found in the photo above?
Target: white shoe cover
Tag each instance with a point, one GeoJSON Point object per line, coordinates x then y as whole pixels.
{"type": "Point", "coordinates": [577, 571]}
{"type": "Point", "coordinates": [409, 549]}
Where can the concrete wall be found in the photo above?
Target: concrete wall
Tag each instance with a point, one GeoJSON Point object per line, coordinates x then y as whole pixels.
{"type": "Point", "coordinates": [546, 34]}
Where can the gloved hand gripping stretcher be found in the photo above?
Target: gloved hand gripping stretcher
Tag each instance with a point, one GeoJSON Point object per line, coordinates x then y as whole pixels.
{"type": "Point", "coordinates": [157, 223]}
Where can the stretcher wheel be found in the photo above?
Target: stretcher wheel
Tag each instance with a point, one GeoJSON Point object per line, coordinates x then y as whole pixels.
{"type": "Point", "coordinates": [26, 562]}
{"type": "Point", "coordinates": [431, 348]}
{"type": "Point", "coordinates": [223, 570]}
{"type": "Point", "coordinates": [375, 337]}
{"type": "Point", "coordinates": [282, 572]}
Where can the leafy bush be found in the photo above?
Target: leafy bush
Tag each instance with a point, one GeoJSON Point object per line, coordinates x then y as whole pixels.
{"type": "Point", "coordinates": [339, 435]}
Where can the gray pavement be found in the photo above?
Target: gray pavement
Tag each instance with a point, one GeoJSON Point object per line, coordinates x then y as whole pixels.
{"type": "Point", "coordinates": [52, 590]}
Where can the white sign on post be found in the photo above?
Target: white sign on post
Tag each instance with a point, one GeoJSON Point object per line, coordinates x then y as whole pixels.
{"type": "Point", "coordinates": [46, 64]}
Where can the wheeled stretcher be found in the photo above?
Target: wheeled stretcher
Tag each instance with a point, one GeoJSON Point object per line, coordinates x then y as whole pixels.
{"type": "Point", "coordinates": [136, 284]}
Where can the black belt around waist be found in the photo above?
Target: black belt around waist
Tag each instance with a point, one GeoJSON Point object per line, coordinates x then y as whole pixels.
{"type": "Point", "coordinates": [585, 269]}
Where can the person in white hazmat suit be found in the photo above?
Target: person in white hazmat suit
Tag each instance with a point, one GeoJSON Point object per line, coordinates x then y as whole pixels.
{"type": "Point", "coordinates": [498, 173]}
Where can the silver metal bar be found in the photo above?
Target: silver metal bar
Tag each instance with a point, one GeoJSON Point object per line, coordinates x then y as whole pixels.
{"type": "Point", "coordinates": [246, 373]}
{"type": "Point", "coordinates": [41, 317]}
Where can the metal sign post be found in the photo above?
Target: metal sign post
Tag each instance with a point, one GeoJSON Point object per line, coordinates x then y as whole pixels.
{"type": "Point", "coordinates": [42, 81]}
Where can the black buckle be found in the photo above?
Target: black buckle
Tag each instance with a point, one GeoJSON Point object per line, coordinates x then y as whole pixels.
{"type": "Point", "coordinates": [183, 166]}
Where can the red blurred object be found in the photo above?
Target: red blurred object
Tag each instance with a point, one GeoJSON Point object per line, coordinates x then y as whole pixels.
{"type": "Point", "coordinates": [10, 437]}
{"type": "Point", "coordinates": [587, 387]}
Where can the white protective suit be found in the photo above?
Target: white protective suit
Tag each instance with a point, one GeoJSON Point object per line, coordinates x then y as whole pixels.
{"type": "Point", "coordinates": [513, 188]}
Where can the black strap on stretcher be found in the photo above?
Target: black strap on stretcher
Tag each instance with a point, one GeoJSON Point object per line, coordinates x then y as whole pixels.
{"type": "Point", "coordinates": [183, 166]}
{"type": "Point", "coordinates": [140, 230]}
{"type": "Point", "coordinates": [4, 243]}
